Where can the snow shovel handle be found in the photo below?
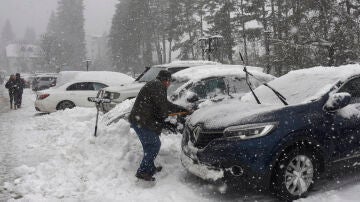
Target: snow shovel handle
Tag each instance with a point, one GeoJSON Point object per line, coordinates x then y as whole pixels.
{"type": "Point", "coordinates": [179, 113]}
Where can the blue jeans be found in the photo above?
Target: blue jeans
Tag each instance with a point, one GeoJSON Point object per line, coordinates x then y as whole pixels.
{"type": "Point", "coordinates": [150, 142]}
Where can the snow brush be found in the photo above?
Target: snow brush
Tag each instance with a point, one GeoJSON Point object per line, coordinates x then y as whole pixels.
{"type": "Point", "coordinates": [178, 114]}
{"type": "Point", "coordinates": [97, 101]}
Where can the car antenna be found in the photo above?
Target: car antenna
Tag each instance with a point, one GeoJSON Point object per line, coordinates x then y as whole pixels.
{"type": "Point", "coordinates": [247, 79]}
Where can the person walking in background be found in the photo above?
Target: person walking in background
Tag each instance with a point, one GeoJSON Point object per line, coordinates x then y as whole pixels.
{"type": "Point", "coordinates": [19, 88]}
{"type": "Point", "coordinates": [147, 118]}
{"type": "Point", "coordinates": [10, 86]}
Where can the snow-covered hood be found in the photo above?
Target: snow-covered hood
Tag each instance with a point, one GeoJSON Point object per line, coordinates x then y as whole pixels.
{"type": "Point", "coordinates": [125, 87]}
{"type": "Point", "coordinates": [232, 112]}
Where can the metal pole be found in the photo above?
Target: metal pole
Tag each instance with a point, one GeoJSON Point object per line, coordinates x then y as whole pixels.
{"type": "Point", "coordinates": [87, 65]}
{"type": "Point", "coordinates": [209, 50]}
{"type": "Point", "coordinates": [97, 118]}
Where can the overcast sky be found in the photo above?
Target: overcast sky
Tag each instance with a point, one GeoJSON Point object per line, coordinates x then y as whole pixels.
{"type": "Point", "coordinates": [35, 13]}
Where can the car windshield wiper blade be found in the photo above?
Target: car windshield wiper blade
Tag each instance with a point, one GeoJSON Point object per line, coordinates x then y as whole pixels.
{"type": "Point", "coordinates": [249, 84]}
{"type": "Point", "coordinates": [279, 95]}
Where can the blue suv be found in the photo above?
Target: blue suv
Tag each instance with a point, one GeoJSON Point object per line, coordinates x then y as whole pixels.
{"type": "Point", "coordinates": [309, 121]}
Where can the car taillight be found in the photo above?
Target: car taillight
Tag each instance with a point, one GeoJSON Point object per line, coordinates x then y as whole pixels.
{"type": "Point", "coordinates": [43, 96]}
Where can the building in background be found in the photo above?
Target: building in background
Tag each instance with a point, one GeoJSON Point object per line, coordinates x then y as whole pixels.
{"type": "Point", "coordinates": [23, 57]}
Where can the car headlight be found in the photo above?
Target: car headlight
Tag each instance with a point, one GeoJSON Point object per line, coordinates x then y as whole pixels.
{"type": "Point", "coordinates": [111, 96]}
{"type": "Point", "coordinates": [249, 131]}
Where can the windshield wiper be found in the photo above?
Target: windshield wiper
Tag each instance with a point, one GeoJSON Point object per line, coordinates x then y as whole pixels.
{"type": "Point", "coordinates": [277, 93]}
{"type": "Point", "coordinates": [142, 74]}
{"type": "Point", "coordinates": [248, 82]}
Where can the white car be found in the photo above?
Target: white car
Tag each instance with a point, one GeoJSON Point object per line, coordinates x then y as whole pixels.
{"type": "Point", "coordinates": [74, 88]}
{"type": "Point", "coordinates": [209, 83]}
{"type": "Point", "coordinates": [213, 82]}
{"type": "Point", "coordinates": [117, 94]}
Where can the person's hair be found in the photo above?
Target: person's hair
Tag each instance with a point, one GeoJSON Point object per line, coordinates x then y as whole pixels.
{"type": "Point", "coordinates": [164, 75]}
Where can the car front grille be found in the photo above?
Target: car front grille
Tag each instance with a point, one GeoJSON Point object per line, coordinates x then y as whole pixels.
{"type": "Point", "coordinates": [206, 137]}
{"type": "Point", "coordinates": [200, 137]}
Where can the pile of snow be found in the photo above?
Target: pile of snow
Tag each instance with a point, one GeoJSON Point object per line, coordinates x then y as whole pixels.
{"type": "Point", "coordinates": [111, 77]}
{"type": "Point", "coordinates": [120, 111]}
{"type": "Point", "coordinates": [304, 85]}
{"type": "Point", "coordinates": [83, 167]}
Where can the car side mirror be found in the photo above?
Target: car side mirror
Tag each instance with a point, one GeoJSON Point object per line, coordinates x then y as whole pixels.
{"type": "Point", "coordinates": [192, 97]}
{"type": "Point", "coordinates": [337, 101]}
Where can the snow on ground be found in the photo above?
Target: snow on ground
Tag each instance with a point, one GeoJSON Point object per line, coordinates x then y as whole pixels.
{"type": "Point", "coordinates": [93, 169]}
{"type": "Point", "coordinates": [74, 165]}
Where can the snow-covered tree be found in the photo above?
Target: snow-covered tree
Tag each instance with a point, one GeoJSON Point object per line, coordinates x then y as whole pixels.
{"type": "Point", "coordinates": [7, 34]}
{"type": "Point", "coordinates": [69, 30]}
{"type": "Point", "coordinates": [29, 36]}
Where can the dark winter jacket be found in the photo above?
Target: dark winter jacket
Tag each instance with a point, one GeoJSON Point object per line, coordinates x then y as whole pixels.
{"type": "Point", "coordinates": [151, 107]}
{"type": "Point", "coordinates": [19, 85]}
{"type": "Point", "coordinates": [10, 84]}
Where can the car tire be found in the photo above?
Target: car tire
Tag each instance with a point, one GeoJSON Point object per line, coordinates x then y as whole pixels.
{"type": "Point", "coordinates": [66, 104]}
{"type": "Point", "coordinates": [295, 173]}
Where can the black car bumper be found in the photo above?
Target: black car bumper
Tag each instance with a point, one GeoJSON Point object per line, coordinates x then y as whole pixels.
{"type": "Point", "coordinates": [223, 160]}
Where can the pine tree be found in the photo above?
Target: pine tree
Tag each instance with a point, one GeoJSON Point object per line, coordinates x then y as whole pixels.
{"type": "Point", "coordinates": [7, 37]}
{"type": "Point", "coordinates": [189, 29]}
{"type": "Point", "coordinates": [131, 35]}
{"type": "Point", "coordinates": [124, 40]}
{"type": "Point", "coordinates": [29, 36]}
{"type": "Point", "coordinates": [70, 31]}
{"type": "Point", "coordinates": [7, 34]}
{"type": "Point", "coordinates": [52, 26]}
{"type": "Point", "coordinates": [222, 23]}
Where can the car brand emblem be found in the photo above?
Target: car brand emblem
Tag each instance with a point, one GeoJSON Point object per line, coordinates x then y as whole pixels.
{"type": "Point", "coordinates": [196, 133]}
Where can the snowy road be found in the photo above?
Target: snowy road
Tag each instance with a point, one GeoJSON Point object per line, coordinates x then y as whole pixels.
{"type": "Point", "coordinates": [15, 149]}
{"type": "Point", "coordinates": [55, 158]}
{"type": "Point", "coordinates": [5, 144]}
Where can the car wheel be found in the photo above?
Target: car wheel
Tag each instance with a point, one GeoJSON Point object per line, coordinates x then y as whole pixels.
{"type": "Point", "coordinates": [295, 174]}
{"type": "Point", "coordinates": [66, 104]}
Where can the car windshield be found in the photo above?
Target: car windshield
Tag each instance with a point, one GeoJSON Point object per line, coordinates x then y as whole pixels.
{"type": "Point", "coordinates": [151, 74]}
{"type": "Point", "coordinates": [297, 87]}
{"type": "Point", "coordinates": [174, 86]}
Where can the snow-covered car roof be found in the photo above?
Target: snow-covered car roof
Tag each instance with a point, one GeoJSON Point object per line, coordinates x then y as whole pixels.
{"type": "Point", "coordinates": [200, 72]}
{"type": "Point", "coordinates": [186, 63]}
{"type": "Point", "coordinates": [303, 85]}
{"type": "Point", "coordinates": [112, 78]}
{"type": "Point", "coordinates": [46, 74]}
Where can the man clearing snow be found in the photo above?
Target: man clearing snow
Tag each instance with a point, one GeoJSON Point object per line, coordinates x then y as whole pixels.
{"type": "Point", "coordinates": [147, 117]}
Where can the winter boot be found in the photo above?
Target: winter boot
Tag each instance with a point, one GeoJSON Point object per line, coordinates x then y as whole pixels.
{"type": "Point", "coordinates": [158, 169]}
{"type": "Point", "coordinates": [145, 176]}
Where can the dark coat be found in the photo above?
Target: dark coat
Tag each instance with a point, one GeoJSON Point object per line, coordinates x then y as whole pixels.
{"type": "Point", "coordinates": [10, 84]}
{"type": "Point", "coordinates": [19, 85]}
{"type": "Point", "coordinates": [151, 107]}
